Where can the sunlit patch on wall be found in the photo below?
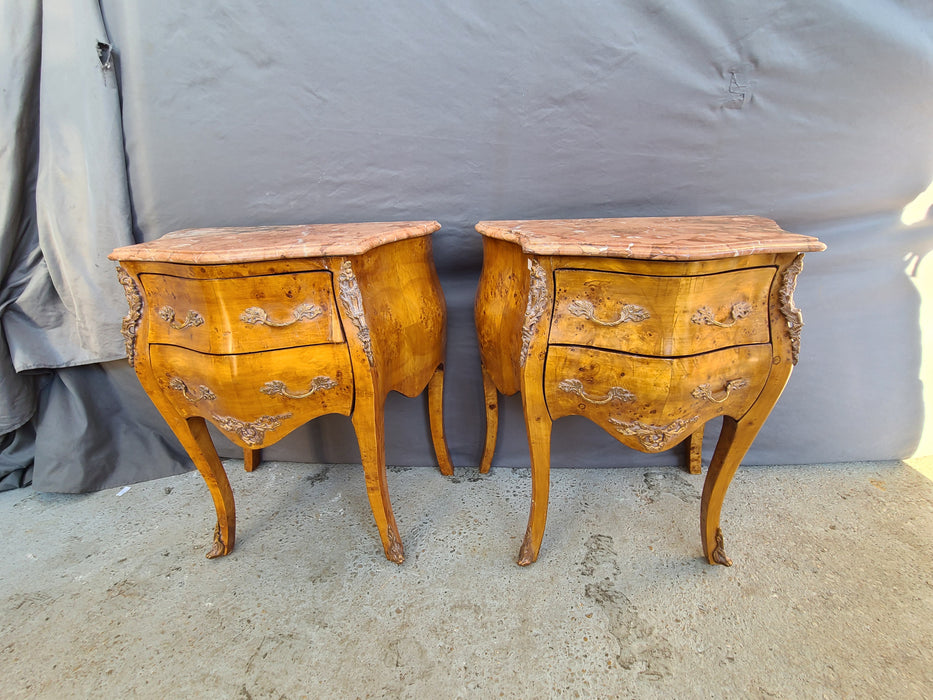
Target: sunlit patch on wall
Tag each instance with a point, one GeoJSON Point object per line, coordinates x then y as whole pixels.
{"type": "Point", "coordinates": [919, 270]}
{"type": "Point", "coordinates": [917, 210]}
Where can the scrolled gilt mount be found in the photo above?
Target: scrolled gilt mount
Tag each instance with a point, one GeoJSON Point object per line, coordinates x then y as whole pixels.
{"type": "Point", "coordinates": [705, 392]}
{"type": "Point", "coordinates": [629, 313]}
{"type": "Point", "coordinates": [279, 388]}
{"type": "Point", "coordinates": [253, 433]}
{"type": "Point", "coordinates": [705, 316]}
{"type": "Point", "coordinates": [653, 438]}
{"type": "Point", "coordinates": [259, 316]}
{"type": "Point", "coordinates": [352, 300]}
{"type": "Point", "coordinates": [615, 393]}
{"type": "Point", "coordinates": [192, 318]}
{"type": "Point", "coordinates": [202, 393]}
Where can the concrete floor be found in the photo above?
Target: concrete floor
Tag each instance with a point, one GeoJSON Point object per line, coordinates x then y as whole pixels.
{"type": "Point", "coordinates": [109, 595]}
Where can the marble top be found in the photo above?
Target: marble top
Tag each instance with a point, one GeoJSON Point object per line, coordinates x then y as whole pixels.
{"type": "Point", "coordinates": [652, 238]}
{"type": "Point", "coordinates": [233, 245]}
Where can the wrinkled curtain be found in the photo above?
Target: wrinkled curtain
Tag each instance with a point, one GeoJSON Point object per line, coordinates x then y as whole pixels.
{"type": "Point", "coordinates": [66, 400]}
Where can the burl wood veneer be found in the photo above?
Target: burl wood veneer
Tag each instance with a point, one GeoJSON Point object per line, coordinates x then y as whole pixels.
{"type": "Point", "coordinates": [649, 327]}
{"type": "Point", "coordinates": [259, 330]}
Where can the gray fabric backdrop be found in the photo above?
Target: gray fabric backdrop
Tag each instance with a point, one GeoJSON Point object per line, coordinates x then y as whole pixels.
{"type": "Point", "coordinates": [817, 114]}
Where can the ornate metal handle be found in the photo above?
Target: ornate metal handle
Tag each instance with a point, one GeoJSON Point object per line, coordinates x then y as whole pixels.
{"type": "Point", "coordinates": [204, 393]}
{"type": "Point", "coordinates": [704, 392]}
{"type": "Point", "coordinates": [653, 437]}
{"type": "Point", "coordinates": [616, 393]}
{"type": "Point", "coordinates": [254, 314]}
{"type": "Point", "coordinates": [192, 318]}
{"type": "Point", "coordinates": [277, 387]}
{"type": "Point", "coordinates": [705, 316]}
{"type": "Point", "coordinates": [630, 313]}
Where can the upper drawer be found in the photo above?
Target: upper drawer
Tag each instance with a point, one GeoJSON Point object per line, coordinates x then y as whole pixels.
{"type": "Point", "coordinates": [666, 316]}
{"type": "Point", "coordinates": [243, 314]}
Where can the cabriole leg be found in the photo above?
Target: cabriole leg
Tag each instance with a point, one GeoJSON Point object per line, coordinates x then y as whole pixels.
{"type": "Point", "coordinates": [491, 397]}
{"type": "Point", "coordinates": [369, 423]}
{"type": "Point", "coordinates": [538, 424]}
{"type": "Point", "coordinates": [436, 420]}
{"type": "Point", "coordinates": [734, 440]}
{"type": "Point", "coordinates": [194, 437]}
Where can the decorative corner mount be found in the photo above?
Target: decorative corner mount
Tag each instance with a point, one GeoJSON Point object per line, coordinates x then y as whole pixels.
{"type": "Point", "coordinates": [352, 300]}
{"type": "Point", "coordinates": [791, 313]}
{"type": "Point", "coordinates": [534, 309]}
{"type": "Point", "coordinates": [131, 322]}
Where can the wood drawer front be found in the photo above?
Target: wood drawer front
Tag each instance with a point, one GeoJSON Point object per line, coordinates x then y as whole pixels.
{"type": "Point", "coordinates": [652, 403]}
{"type": "Point", "coordinates": [239, 315]}
{"type": "Point", "coordinates": [256, 398]}
{"type": "Point", "coordinates": [667, 316]}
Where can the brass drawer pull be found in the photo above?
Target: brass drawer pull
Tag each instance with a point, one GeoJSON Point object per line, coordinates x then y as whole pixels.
{"type": "Point", "coordinates": [256, 315]}
{"type": "Point", "coordinates": [251, 433]}
{"type": "Point", "coordinates": [204, 393]}
{"type": "Point", "coordinates": [616, 393]}
{"type": "Point", "coordinates": [630, 313]}
{"type": "Point", "coordinates": [704, 392]}
{"type": "Point", "coordinates": [277, 387]}
{"type": "Point", "coordinates": [653, 437]}
{"type": "Point", "coordinates": [705, 316]}
{"type": "Point", "coordinates": [192, 318]}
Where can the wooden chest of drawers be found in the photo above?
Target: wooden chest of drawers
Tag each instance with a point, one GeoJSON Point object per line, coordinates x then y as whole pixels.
{"type": "Point", "coordinates": [648, 327]}
{"type": "Point", "coordinates": [259, 330]}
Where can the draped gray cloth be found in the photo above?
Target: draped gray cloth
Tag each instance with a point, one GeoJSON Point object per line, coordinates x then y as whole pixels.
{"type": "Point", "coordinates": [73, 419]}
{"type": "Point", "coordinates": [125, 121]}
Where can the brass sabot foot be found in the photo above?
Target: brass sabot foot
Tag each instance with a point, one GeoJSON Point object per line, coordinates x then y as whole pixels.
{"type": "Point", "coordinates": [719, 553]}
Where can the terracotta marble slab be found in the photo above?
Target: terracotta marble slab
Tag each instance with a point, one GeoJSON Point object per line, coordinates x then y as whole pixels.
{"type": "Point", "coordinates": [652, 238]}
{"type": "Point", "coordinates": [232, 245]}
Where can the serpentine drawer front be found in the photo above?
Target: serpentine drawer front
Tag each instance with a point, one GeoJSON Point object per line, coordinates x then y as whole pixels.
{"type": "Point", "coordinates": [259, 330]}
{"type": "Point", "coordinates": [658, 315]}
{"type": "Point", "coordinates": [258, 313]}
{"type": "Point", "coordinates": [649, 327]}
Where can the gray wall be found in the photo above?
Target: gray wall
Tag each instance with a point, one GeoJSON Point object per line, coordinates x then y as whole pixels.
{"type": "Point", "coordinates": [816, 114]}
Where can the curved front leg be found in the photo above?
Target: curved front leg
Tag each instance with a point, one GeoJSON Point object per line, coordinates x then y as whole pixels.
{"type": "Point", "coordinates": [491, 397]}
{"type": "Point", "coordinates": [538, 424]}
{"type": "Point", "coordinates": [734, 440]}
{"type": "Point", "coordinates": [369, 424]}
{"type": "Point", "coordinates": [194, 437]}
{"type": "Point", "coordinates": [436, 420]}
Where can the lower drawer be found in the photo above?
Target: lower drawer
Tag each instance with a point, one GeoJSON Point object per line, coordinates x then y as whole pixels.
{"type": "Point", "coordinates": [256, 398]}
{"type": "Point", "coordinates": [653, 403]}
